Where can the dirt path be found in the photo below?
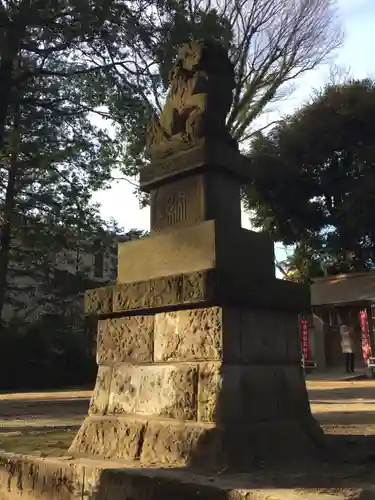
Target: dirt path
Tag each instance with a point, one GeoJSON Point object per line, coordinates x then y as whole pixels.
{"type": "Point", "coordinates": [47, 421]}
{"type": "Point", "coordinates": [344, 407]}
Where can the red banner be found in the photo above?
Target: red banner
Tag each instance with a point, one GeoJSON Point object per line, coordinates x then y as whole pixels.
{"type": "Point", "coordinates": [304, 335]}
{"type": "Point", "coordinates": [366, 343]}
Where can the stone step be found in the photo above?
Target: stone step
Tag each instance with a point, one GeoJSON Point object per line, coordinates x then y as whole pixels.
{"type": "Point", "coordinates": [37, 478]}
{"type": "Point", "coordinates": [207, 446]}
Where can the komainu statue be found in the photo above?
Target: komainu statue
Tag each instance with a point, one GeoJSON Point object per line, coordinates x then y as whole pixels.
{"type": "Point", "coordinates": [199, 99]}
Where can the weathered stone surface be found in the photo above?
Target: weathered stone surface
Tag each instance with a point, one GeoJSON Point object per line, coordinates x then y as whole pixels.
{"type": "Point", "coordinates": [218, 397]}
{"type": "Point", "coordinates": [242, 446]}
{"type": "Point", "coordinates": [208, 245]}
{"type": "Point", "coordinates": [109, 438]}
{"type": "Point", "coordinates": [189, 114]}
{"type": "Point", "coordinates": [229, 333]}
{"type": "Point", "coordinates": [207, 287]}
{"type": "Point", "coordinates": [248, 394]}
{"type": "Point", "coordinates": [177, 443]}
{"type": "Point", "coordinates": [31, 478]}
{"type": "Point", "coordinates": [164, 292]}
{"type": "Point", "coordinates": [193, 334]}
{"type": "Point", "coordinates": [178, 204]}
{"type": "Point", "coordinates": [192, 200]}
{"type": "Point", "coordinates": [148, 294]}
{"type": "Point", "coordinates": [158, 390]}
{"type": "Point", "coordinates": [209, 387]}
{"type": "Point", "coordinates": [208, 154]}
{"type": "Point", "coordinates": [98, 300]}
{"type": "Point", "coordinates": [155, 483]}
{"type": "Point", "coordinates": [100, 396]}
{"type": "Point", "coordinates": [185, 250]}
{"type": "Point", "coordinates": [270, 337]}
{"type": "Point", "coordinates": [104, 480]}
{"type": "Point", "coordinates": [125, 339]}
{"type": "Point", "coordinates": [198, 287]}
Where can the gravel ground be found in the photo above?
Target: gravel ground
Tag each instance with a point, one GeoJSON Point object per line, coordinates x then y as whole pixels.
{"type": "Point", "coordinates": [46, 423]}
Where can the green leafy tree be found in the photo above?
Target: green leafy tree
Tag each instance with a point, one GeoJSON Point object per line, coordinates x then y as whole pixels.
{"type": "Point", "coordinates": [53, 159]}
{"type": "Point", "coordinates": [51, 74]}
{"type": "Point", "coordinates": [301, 265]}
{"type": "Point", "coordinates": [63, 38]}
{"type": "Point", "coordinates": [318, 185]}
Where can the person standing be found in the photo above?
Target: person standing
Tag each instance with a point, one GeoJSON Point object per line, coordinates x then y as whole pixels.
{"type": "Point", "coordinates": [347, 347]}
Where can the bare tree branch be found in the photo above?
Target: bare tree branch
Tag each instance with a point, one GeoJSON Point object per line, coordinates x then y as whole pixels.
{"type": "Point", "coordinates": [274, 42]}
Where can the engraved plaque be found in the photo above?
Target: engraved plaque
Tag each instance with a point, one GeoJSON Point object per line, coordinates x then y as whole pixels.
{"type": "Point", "coordinates": [177, 204]}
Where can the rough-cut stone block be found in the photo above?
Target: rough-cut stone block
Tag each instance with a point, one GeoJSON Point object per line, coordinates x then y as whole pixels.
{"type": "Point", "coordinates": [180, 444]}
{"type": "Point", "coordinates": [125, 339]}
{"type": "Point", "coordinates": [218, 398]}
{"type": "Point", "coordinates": [98, 300]}
{"type": "Point", "coordinates": [192, 334]}
{"type": "Point", "coordinates": [182, 289]}
{"type": "Point", "coordinates": [109, 438]}
{"type": "Point", "coordinates": [148, 294]}
{"type": "Point", "coordinates": [100, 396]}
{"type": "Point", "coordinates": [241, 446]}
{"type": "Point", "coordinates": [204, 445]}
{"type": "Point", "coordinates": [229, 333]}
{"type": "Point", "coordinates": [31, 478]}
{"type": "Point", "coordinates": [209, 387]}
{"type": "Point", "coordinates": [158, 390]}
{"type": "Point", "coordinates": [248, 394]}
{"type": "Point", "coordinates": [269, 336]}
{"type": "Point", "coordinates": [204, 288]}
{"type": "Point", "coordinates": [198, 287]}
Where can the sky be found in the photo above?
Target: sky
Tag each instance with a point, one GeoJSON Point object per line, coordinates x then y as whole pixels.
{"type": "Point", "coordinates": [356, 54]}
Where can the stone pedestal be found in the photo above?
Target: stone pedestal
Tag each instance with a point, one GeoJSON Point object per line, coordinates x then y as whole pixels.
{"type": "Point", "coordinates": [198, 345]}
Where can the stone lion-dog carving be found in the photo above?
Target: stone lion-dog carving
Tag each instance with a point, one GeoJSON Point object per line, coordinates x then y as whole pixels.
{"type": "Point", "coordinates": [199, 99]}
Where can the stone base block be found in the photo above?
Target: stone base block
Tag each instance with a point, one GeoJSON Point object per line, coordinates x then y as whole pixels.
{"type": "Point", "coordinates": [207, 245]}
{"type": "Point", "coordinates": [35, 478]}
{"type": "Point", "coordinates": [202, 446]}
{"type": "Point", "coordinates": [198, 289]}
{"type": "Point", "coordinates": [109, 438]}
{"type": "Point", "coordinates": [212, 392]}
{"type": "Point", "coordinates": [231, 334]}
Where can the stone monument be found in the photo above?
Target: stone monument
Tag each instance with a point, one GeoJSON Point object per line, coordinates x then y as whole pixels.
{"type": "Point", "coordinates": [198, 346]}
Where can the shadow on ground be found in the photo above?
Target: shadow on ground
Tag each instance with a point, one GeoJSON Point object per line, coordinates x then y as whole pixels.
{"type": "Point", "coordinates": [347, 462]}
{"type": "Point", "coordinates": [64, 408]}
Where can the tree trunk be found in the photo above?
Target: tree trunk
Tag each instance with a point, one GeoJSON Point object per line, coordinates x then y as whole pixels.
{"type": "Point", "coordinates": [7, 214]}
{"type": "Point", "coordinates": [11, 43]}
{"type": "Point", "coordinates": [14, 32]}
